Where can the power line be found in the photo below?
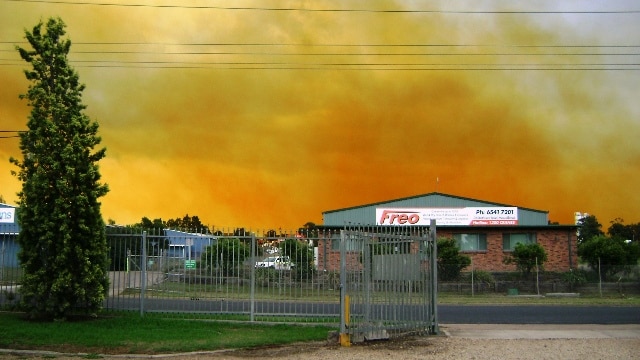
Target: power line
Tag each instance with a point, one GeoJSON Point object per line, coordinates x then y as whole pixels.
{"type": "Point", "coordinates": [571, 59]}
{"type": "Point", "coordinates": [343, 65]}
{"type": "Point", "coordinates": [256, 53]}
{"type": "Point", "coordinates": [346, 45]}
{"type": "Point", "coordinates": [369, 67]}
{"type": "Point", "coordinates": [336, 10]}
{"type": "Point", "coordinates": [11, 136]}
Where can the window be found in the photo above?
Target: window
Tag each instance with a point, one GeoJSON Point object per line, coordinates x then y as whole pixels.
{"type": "Point", "coordinates": [471, 242]}
{"type": "Point", "coordinates": [509, 241]}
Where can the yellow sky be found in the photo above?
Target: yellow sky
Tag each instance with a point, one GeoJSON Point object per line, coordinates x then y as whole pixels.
{"type": "Point", "coordinates": [265, 118]}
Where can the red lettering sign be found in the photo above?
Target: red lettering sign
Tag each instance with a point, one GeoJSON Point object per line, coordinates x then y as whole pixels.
{"type": "Point", "coordinates": [399, 218]}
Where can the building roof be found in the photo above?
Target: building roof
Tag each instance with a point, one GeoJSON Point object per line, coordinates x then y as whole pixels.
{"type": "Point", "coordinates": [367, 214]}
{"type": "Point", "coordinates": [433, 194]}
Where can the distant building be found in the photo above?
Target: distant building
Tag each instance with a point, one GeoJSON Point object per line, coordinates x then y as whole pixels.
{"type": "Point", "coordinates": [9, 230]}
{"type": "Point", "coordinates": [485, 231]}
{"type": "Point", "coordinates": [188, 245]}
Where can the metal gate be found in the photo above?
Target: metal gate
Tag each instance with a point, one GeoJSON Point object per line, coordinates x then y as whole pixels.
{"type": "Point", "coordinates": [388, 282]}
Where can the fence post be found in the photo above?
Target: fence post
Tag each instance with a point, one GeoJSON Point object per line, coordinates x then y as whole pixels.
{"type": "Point", "coordinates": [537, 277]}
{"type": "Point", "coordinates": [434, 277]}
{"type": "Point", "coordinates": [599, 278]}
{"type": "Point", "coordinates": [252, 299]}
{"type": "Point", "coordinates": [143, 272]}
{"type": "Point", "coordinates": [366, 280]}
{"type": "Point", "coordinates": [2, 251]}
{"type": "Point", "coordinates": [472, 274]}
{"type": "Point", "coordinates": [344, 301]}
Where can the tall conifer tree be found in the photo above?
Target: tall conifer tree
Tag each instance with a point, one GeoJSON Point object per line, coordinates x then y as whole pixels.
{"type": "Point", "coordinates": [62, 238]}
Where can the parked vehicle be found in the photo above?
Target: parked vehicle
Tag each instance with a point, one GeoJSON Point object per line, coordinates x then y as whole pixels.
{"type": "Point", "coordinates": [272, 250]}
{"type": "Point", "coordinates": [276, 262]}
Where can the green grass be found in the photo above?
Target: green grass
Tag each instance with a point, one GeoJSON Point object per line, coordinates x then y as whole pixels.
{"type": "Point", "coordinates": [497, 299]}
{"type": "Point", "coordinates": [129, 333]}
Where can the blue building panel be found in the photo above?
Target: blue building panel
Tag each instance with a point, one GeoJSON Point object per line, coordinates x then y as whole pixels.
{"type": "Point", "coordinates": [196, 243]}
{"type": "Point", "coordinates": [9, 230]}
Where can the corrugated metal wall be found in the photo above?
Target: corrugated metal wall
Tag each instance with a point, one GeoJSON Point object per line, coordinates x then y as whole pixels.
{"type": "Point", "coordinates": [366, 214]}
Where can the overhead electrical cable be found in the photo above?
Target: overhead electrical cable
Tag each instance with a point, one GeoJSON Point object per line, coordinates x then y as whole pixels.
{"type": "Point", "coordinates": [10, 136]}
{"type": "Point", "coordinates": [338, 10]}
{"type": "Point", "coordinates": [569, 46]}
{"type": "Point", "coordinates": [373, 56]}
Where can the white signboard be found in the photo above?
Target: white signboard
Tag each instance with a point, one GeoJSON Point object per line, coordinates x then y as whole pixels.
{"type": "Point", "coordinates": [467, 216]}
{"type": "Point", "coordinates": [7, 215]}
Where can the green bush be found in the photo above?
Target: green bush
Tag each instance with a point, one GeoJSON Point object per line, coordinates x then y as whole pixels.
{"type": "Point", "coordinates": [575, 277]}
{"type": "Point", "coordinates": [450, 261]}
{"type": "Point", "coordinates": [481, 276]}
{"type": "Point", "coordinates": [266, 275]}
{"type": "Point", "coordinates": [611, 255]}
{"type": "Point", "coordinates": [526, 257]}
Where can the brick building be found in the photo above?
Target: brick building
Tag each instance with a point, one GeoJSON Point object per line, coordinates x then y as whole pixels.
{"type": "Point", "coordinates": [485, 231]}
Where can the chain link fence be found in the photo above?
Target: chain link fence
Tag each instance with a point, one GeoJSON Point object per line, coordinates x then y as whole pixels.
{"type": "Point", "coordinates": [606, 281]}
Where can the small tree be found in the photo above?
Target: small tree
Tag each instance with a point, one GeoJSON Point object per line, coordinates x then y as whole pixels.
{"type": "Point", "coordinates": [301, 255]}
{"type": "Point", "coordinates": [450, 261]}
{"type": "Point", "coordinates": [62, 240]}
{"type": "Point", "coordinates": [625, 232]}
{"type": "Point", "coordinates": [613, 255]}
{"type": "Point", "coordinates": [227, 255]}
{"type": "Point", "coordinates": [188, 223]}
{"type": "Point", "coordinates": [526, 257]}
{"type": "Point", "coordinates": [588, 227]}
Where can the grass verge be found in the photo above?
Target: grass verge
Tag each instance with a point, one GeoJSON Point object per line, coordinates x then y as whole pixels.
{"type": "Point", "coordinates": [153, 334]}
{"type": "Point", "coordinates": [128, 333]}
{"type": "Point", "coordinates": [502, 299]}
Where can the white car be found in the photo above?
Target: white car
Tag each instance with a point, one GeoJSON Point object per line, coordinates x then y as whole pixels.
{"type": "Point", "coordinates": [272, 250]}
{"type": "Point", "coordinates": [276, 262]}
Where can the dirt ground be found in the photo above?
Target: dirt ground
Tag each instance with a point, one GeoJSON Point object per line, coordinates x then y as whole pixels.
{"type": "Point", "coordinates": [413, 347]}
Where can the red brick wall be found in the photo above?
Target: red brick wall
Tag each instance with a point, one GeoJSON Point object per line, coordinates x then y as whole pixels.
{"type": "Point", "coordinates": [329, 259]}
{"type": "Point", "coordinates": [554, 242]}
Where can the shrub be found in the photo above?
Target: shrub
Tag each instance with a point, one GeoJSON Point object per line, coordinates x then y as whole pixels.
{"type": "Point", "coordinates": [574, 277]}
{"type": "Point", "coordinates": [450, 261]}
{"type": "Point", "coordinates": [612, 255]}
{"type": "Point", "coordinates": [526, 257]}
{"type": "Point", "coordinates": [481, 276]}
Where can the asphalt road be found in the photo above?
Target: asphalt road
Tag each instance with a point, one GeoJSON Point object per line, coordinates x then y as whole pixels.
{"type": "Point", "coordinates": [448, 314]}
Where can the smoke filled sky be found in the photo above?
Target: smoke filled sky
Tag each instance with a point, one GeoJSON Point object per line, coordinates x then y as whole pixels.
{"type": "Point", "coordinates": [264, 114]}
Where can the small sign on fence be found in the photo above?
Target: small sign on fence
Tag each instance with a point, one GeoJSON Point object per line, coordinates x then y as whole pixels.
{"type": "Point", "coordinates": [189, 264]}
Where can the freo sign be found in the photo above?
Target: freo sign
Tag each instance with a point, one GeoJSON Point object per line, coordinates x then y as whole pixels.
{"type": "Point", "coordinates": [466, 216]}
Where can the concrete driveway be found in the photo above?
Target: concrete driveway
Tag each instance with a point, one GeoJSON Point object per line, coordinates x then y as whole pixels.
{"type": "Point", "coordinates": [540, 331]}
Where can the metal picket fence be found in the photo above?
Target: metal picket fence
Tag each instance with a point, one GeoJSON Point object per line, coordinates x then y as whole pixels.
{"type": "Point", "coordinates": [10, 271]}
{"type": "Point", "coordinates": [388, 282]}
{"type": "Point", "coordinates": [242, 275]}
{"type": "Point", "coordinates": [364, 280]}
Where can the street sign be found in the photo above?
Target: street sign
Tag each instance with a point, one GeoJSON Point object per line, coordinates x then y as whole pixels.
{"type": "Point", "coordinates": [189, 264]}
